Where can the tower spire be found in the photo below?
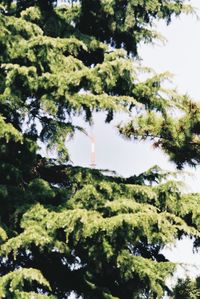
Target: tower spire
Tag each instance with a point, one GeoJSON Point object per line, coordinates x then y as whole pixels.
{"type": "Point", "coordinates": [93, 149]}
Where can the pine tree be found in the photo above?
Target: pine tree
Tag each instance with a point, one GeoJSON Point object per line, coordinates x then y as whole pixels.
{"type": "Point", "coordinates": [69, 229]}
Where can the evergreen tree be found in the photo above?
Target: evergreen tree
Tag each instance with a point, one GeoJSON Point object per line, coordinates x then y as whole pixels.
{"type": "Point", "coordinates": [69, 229]}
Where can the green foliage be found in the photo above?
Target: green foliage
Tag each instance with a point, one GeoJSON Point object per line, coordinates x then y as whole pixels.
{"type": "Point", "coordinates": [187, 288]}
{"type": "Point", "coordinates": [69, 229]}
{"type": "Point", "coordinates": [39, 46]}
{"type": "Point", "coordinates": [9, 132]}
{"type": "Point", "coordinates": [13, 283]}
{"type": "Point", "coordinates": [92, 231]}
{"type": "Point", "coordinates": [179, 136]}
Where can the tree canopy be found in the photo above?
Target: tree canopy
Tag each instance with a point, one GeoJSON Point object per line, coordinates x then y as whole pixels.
{"type": "Point", "coordinates": [67, 229]}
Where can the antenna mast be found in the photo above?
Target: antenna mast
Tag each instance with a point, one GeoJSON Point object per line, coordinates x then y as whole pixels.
{"type": "Point", "coordinates": [93, 150]}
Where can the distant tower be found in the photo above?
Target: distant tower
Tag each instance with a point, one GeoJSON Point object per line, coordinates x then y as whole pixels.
{"type": "Point", "coordinates": [93, 150]}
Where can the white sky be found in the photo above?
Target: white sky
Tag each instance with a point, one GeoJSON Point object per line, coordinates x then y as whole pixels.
{"type": "Point", "coordinates": [180, 55]}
